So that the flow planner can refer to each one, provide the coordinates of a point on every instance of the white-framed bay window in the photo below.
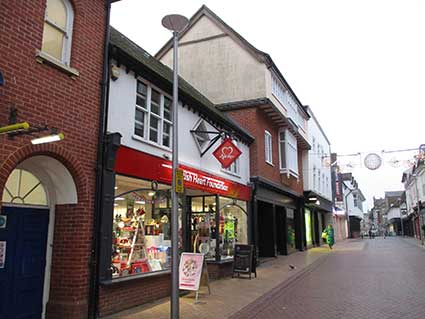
(268, 147)
(153, 116)
(288, 153)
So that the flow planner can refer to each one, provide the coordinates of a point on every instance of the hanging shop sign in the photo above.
(190, 271)
(227, 153)
(131, 162)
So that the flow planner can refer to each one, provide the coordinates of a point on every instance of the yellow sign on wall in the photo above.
(179, 181)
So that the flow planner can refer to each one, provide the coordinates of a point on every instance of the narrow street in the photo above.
(383, 279)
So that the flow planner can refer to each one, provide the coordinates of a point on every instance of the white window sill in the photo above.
(270, 163)
(289, 172)
(140, 139)
(230, 173)
(43, 57)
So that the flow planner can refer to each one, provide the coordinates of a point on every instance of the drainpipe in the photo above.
(93, 302)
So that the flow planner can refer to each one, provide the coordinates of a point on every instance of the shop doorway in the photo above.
(266, 230)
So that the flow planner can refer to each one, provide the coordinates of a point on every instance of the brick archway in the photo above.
(55, 151)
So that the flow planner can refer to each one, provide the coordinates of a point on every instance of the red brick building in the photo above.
(52, 62)
(245, 82)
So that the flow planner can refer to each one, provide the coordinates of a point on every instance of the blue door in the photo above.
(22, 277)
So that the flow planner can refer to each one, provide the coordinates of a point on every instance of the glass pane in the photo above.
(209, 203)
(28, 182)
(153, 136)
(12, 183)
(167, 128)
(155, 108)
(140, 116)
(155, 102)
(52, 41)
(154, 122)
(142, 88)
(56, 12)
(167, 108)
(36, 197)
(139, 130)
(197, 204)
(141, 101)
(166, 140)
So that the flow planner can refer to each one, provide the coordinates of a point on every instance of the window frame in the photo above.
(268, 147)
(284, 146)
(148, 114)
(67, 33)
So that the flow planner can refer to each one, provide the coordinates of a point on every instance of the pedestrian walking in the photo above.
(330, 237)
(370, 234)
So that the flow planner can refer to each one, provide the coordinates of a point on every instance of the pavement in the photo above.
(230, 295)
(383, 280)
(370, 278)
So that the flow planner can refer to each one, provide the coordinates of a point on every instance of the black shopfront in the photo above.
(276, 224)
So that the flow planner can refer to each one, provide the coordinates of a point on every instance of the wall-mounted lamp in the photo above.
(14, 128)
(48, 139)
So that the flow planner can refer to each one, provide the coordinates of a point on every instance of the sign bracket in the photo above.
(214, 140)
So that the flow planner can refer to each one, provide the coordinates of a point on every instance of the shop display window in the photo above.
(290, 230)
(232, 226)
(141, 227)
(203, 226)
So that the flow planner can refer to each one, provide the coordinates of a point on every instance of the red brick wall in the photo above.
(129, 294)
(46, 95)
(255, 121)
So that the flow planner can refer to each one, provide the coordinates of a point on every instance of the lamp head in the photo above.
(175, 22)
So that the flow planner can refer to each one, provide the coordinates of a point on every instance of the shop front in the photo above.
(213, 218)
(277, 219)
(317, 215)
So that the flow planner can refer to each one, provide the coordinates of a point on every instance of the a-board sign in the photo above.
(190, 271)
(244, 260)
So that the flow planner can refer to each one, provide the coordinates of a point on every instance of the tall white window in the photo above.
(327, 185)
(153, 121)
(314, 178)
(288, 152)
(268, 147)
(57, 33)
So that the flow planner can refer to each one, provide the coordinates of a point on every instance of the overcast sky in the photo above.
(359, 64)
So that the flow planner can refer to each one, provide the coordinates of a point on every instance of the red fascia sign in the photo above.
(134, 163)
(227, 153)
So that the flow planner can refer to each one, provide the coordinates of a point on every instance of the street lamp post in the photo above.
(175, 23)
